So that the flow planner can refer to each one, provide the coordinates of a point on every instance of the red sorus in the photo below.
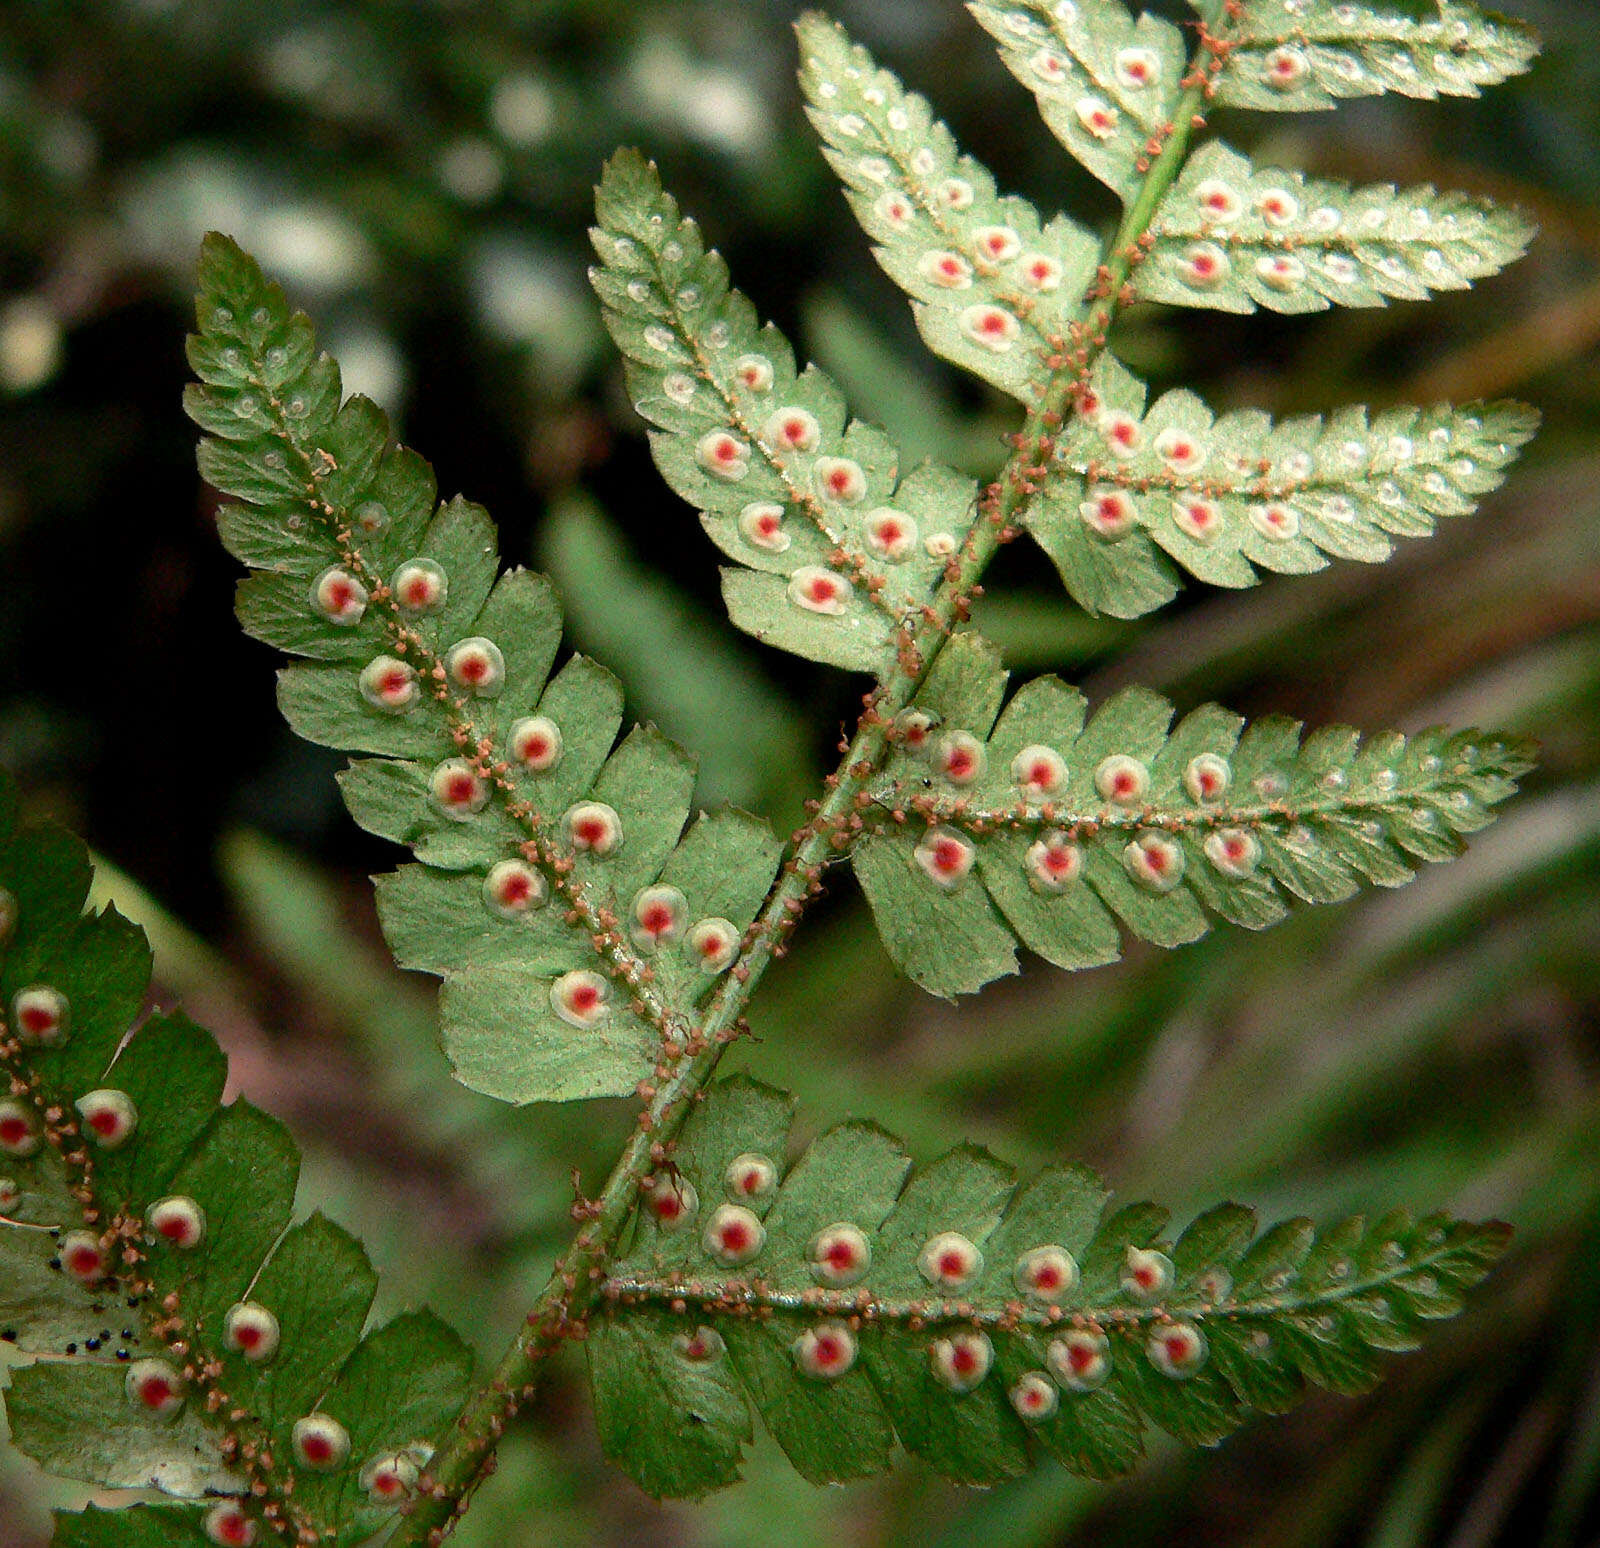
(996, 243)
(371, 516)
(10, 1194)
(593, 828)
(1038, 272)
(818, 590)
(1039, 771)
(714, 943)
(733, 1235)
(535, 742)
(891, 534)
(1109, 513)
(753, 372)
(1206, 777)
(961, 1361)
(895, 211)
(176, 1220)
(1280, 272)
(1154, 860)
(761, 524)
(1146, 1273)
(991, 326)
(154, 1387)
(1080, 1359)
(660, 915)
(948, 270)
(1285, 68)
(420, 586)
(1278, 207)
(680, 387)
(1181, 450)
(388, 684)
(477, 665)
(109, 1116)
(839, 1255)
(840, 478)
(249, 1329)
(579, 998)
(1276, 521)
(794, 429)
(1220, 202)
(671, 1199)
(700, 1347)
(8, 914)
(1054, 862)
(961, 757)
(320, 1442)
(825, 1352)
(1176, 1349)
(1137, 67)
(1045, 1273)
(1204, 266)
(1197, 517)
(390, 1478)
(954, 193)
(1034, 1396)
(513, 889)
(1097, 116)
(913, 728)
(457, 789)
(339, 597)
(18, 1136)
(1233, 851)
(1122, 779)
(1124, 434)
(723, 454)
(949, 1261)
(945, 856)
(40, 1016)
(1049, 66)
(750, 1175)
(82, 1257)
(226, 1523)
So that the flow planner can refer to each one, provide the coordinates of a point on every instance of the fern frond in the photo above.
(1107, 85)
(1234, 236)
(834, 547)
(1139, 491)
(1034, 825)
(574, 923)
(851, 1301)
(189, 1338)
(993, 288)
(1295, 56)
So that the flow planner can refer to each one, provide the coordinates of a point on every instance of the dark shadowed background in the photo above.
(419, 175)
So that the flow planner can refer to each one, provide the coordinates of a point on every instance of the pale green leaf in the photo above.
(1106, 84)
(1298, 55)
(1195, 1333)
(1141, 490)
(837, 549)
(1234, 236)
(1055, 830)
(991, 285)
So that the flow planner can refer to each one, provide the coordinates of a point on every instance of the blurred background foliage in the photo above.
(419, 174)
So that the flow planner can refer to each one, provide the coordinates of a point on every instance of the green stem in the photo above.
(576, 1280)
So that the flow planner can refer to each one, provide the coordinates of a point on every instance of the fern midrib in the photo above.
(467, 740)
(575, 1281)
(958, 812)
(737, 1296)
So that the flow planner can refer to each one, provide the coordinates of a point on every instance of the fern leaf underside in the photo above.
(182, 1328)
